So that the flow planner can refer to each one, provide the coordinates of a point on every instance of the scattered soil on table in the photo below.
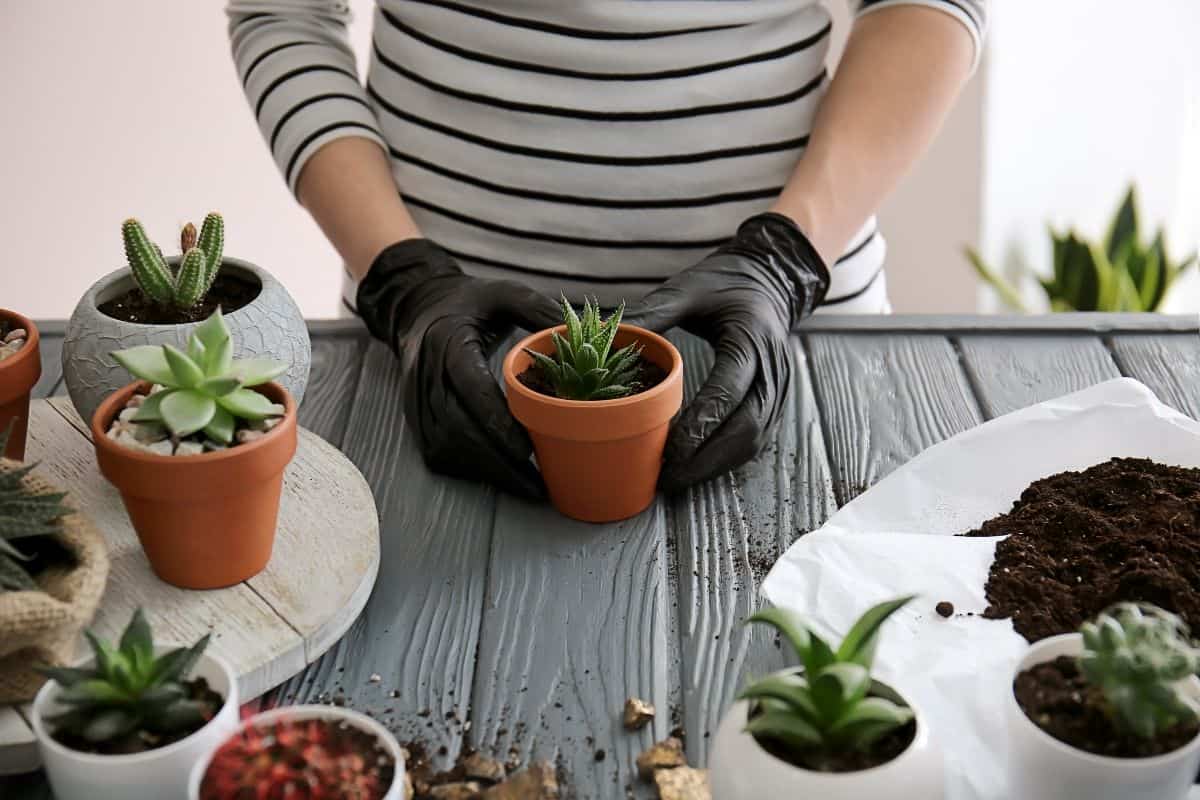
(140, 741)
(1056, 697)
(1124, 530)
(649, 375)
(884, 750)
(228, 292)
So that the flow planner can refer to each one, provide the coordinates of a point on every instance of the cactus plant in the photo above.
(584, 366)
(203, 388)
(1119, 274)
(1137, 655)
(24, 513)
(197, 269)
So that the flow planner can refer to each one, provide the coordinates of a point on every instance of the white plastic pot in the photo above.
(738, 769)
(160, 774)
(295, 713)
(1041, 767)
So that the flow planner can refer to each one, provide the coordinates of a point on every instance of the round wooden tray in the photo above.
(270, 627)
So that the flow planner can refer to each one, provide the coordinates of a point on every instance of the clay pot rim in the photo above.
(107, 412)
(30, 348)
(109, 283)
(673, 374)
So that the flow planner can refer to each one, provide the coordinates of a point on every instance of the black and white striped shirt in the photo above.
(593, 146)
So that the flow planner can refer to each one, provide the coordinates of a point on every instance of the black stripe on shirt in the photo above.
(858, 248)
(491, 262)
(602, 116)
(292, 74)
(270, 50)
(588, 158)
(291, 165)
(563, 30)
(846, 298)
(546, 69)
(308, 101)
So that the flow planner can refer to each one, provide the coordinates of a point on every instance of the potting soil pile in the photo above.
(903, 536)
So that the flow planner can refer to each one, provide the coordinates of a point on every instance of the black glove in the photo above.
(744, 299)
(444, 325)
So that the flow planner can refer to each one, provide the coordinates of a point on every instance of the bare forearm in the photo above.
(901, 71)
(348, 188)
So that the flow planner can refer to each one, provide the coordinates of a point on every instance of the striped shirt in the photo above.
(595, 146)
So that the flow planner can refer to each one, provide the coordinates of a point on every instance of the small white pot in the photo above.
(159, 774)
(360, 721)
(1041, 767)
(738, 769)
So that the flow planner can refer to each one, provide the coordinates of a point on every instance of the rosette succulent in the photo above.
(198, 268)
(24, 514)
(584, 366)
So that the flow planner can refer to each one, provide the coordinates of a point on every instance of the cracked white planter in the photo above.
(1041, 767)
(270, 326)
(738, 769)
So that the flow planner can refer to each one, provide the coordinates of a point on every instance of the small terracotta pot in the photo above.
(600, 459)
(18, 374)
(205, 521)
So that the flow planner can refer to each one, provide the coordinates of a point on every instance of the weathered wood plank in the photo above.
(18, 747)
(419, 632)
(955, 324)
(51, 352)
(1011, 372)
(336, 365)
(728, 533)
(1168, 363)
(883, 399)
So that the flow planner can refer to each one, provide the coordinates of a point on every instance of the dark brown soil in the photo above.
(944, 609)
(1057, 698)
(228, 292)
(140, 741)
(1124, 530)
(884, 750)
(649, 375)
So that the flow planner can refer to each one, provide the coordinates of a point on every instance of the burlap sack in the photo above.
(41, 627)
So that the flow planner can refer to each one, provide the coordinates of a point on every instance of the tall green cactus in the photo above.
(197, 270)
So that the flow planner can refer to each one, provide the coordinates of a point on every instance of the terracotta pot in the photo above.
(205, 521)
(600, 459)
(18, 374)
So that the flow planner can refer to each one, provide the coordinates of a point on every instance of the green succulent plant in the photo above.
(1122, 273)
(128, 688)
(824, 705)
(198, 267)
(584, 366)
(1137, 655)
(24, 513)
(204, 388)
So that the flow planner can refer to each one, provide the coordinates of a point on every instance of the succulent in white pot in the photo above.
(825, 728)
(130, 721)
(156, 300)
(1109, 713)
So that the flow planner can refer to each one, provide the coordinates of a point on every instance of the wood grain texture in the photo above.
(1011, 372)
(1168, 363)
(18, 747)
(51, 351)
(332, 382)
(727, 534)
(883, 399)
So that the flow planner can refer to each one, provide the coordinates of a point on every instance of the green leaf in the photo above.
(195, 350)
(220, 428)
(1124, 227)
(102, 652)
(811, 649)
(785, 687)
(178, 716)
(854, 679)
(219, 387)
(151, 408)
(137, 638)
(163, 694)
(1007, 292)
(186, 411)
(562, 348)
(785, 727)
(187, 372)
(609, 332)
(249, 404)
(587, 359)
(93, 692)
(255, 371)
(869, 719)
(146, 362)
(212, 331)
(836, 688)
(859, 644)
(109, 725)
(611, 392)
(574, 326)
(67, 676)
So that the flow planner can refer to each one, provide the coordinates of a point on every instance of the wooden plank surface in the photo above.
(332, 382)
(50, 383)
(1169, 364)
(18, 747)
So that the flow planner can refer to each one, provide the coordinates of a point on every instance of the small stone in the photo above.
(944, 608)
(126, 414)
(245, 436)
(483, 767)
(189, 449)
(637, 713)
(271, 422)
(148, 432)
(156, 388)
(536, 782)
(375, 677)
(14, 335)
(125, 438)
(683, 783)
(163, 448)
(600, 755)
(135, 401)
(7, 350)
(466, 790)
(211, 446)
(666, 754)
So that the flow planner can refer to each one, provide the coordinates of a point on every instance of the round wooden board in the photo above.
(270, 627)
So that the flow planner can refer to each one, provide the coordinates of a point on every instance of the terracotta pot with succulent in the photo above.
(20, 368)
(311, 752)
(131, 721)
(157, 300)
(825, 728)
(596, 397)
(1109, 713)
(197, 450)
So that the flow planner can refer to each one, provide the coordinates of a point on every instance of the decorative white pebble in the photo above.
(127, 414)
(210, 445)
(245, 436)
(163, 448)
(272, 422)
(156, 388)
(14, 335)
(135, 401)
(148, 432)
(189, 449)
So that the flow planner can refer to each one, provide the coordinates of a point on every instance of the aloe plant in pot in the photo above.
(596, 397)
(20, 369)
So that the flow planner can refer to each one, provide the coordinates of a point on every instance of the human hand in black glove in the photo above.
(444, 325)
(744, 299)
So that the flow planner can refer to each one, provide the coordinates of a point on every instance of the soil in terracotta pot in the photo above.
(1124, 530)
(1056, 698)
(884, 749)
(228, 292)
(649, 375)
(141, 741)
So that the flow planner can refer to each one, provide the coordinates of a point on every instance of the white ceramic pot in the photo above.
(360, 721)
(738, 769)
(1041, 767)
(160, 774)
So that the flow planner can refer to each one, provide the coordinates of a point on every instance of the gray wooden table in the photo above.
(500, 625)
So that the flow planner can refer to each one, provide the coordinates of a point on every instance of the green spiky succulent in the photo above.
(198, 267)
(128, 689)
(824, 705)
(1138, 655)
(24, 514)
(584, 366)
(204, 388)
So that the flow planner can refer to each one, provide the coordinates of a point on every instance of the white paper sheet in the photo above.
(898, 538)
